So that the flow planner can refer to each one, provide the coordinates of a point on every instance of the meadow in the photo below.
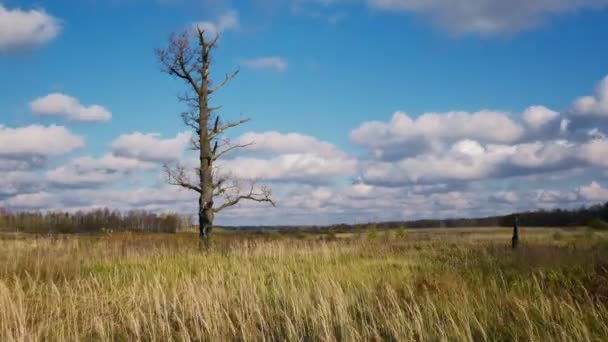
(398, 285)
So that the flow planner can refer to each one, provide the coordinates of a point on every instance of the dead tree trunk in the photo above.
(515, 238)
(190, 62)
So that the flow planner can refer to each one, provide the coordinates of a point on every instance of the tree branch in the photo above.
(262, 196)
(218, 155)
(226, 80)
(177, 59)
(179, 177)
(220, 129)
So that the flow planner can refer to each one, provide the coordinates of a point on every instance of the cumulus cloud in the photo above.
(88, 171)
(228, 21)
(37, 140)
(18, 182)
(288, 157)
(594, 192)
(21, 162)
(160, 199)
(275, 63)
(24, 150)
(595, 152)
(506, 196)
(285, 143)
(594, 105)
(150, 147)
(69, 108)
(468, 160)
(435, 165)
(25, 29)
(301, 167)
(487, 17)
(464, 147)
(30, 201)
(538, 117)
(404, 135)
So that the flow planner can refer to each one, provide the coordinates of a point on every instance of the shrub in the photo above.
(372, 231)
(402, 233)
(598, 224)
(558, 236)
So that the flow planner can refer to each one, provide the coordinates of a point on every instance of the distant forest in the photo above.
(105, 220)
(94, 221)
(540, 218)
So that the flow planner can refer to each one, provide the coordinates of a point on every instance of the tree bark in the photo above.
(205, 222)
(515, 238)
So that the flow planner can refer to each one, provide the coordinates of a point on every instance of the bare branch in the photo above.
(191, 119)
(179, 177)
(222, 184)
(224, 82)
(261, 195)
(217, 121)
(178, 59)
(207, 44)
(192, 101)
(194, 144)
(220, 129)
(229, 149)
(212, 44)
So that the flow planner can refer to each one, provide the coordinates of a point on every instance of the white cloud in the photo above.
(21, 162)
(506, 196)
(275, 63)
(16, 182)
(150, 147)
(551, 198)
(595, 105)
(228, 21)
(287, 143)
(88, 171)
(594, 192)
(24, 29)
(404, 135)
(487, 17)
(595, 152)
(468, 160)
(68, 107)
(538, 116)
(37, 200)
(301, 167)
(436, 165)
(37, 140)
(455, 200)
(157, 199)
(288, 157)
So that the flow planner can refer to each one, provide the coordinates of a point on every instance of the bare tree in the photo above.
(188, 57)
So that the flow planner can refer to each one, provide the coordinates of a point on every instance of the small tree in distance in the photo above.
(190, 62)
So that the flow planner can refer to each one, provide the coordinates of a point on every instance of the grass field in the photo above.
(423, 285)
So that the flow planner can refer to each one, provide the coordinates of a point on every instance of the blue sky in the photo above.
(340, 94)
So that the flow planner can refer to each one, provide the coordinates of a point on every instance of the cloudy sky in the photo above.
(362, 110)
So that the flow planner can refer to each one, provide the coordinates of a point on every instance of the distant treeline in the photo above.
(539, 218)
(138, 220)
(100, 220)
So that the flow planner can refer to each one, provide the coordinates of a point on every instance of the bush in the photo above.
(402, 233)
(598, 224)
(372, 231)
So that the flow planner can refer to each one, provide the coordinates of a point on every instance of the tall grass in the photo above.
(424, 286)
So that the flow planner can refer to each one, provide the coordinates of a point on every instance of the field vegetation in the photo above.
(397, 285)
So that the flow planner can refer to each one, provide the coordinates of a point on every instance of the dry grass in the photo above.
(425, 285)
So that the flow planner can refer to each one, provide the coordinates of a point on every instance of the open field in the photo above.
(425, 285)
